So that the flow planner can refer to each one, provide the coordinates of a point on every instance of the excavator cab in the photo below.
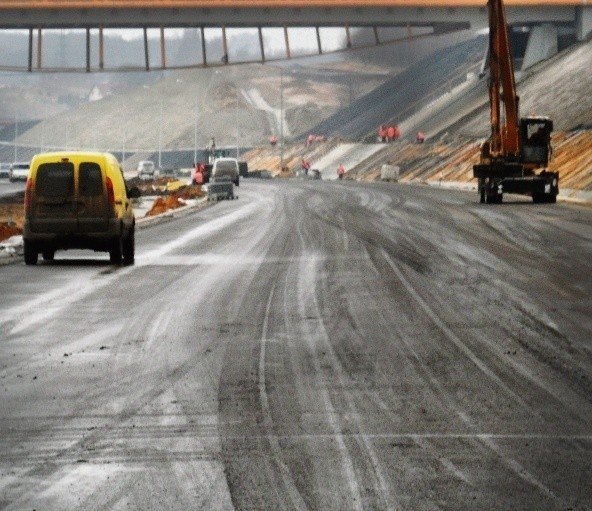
(535, 137)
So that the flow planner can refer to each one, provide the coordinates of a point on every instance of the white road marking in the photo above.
(511, 463)
(44, 306)
(449, 333)
(290, 487)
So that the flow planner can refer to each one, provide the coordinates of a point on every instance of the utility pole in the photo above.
(160, 138)
(15, 137)
(237, 131)
(195, 133)
(281, 119)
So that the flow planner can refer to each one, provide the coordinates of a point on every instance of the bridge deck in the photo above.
(216, 4)
(416, 16)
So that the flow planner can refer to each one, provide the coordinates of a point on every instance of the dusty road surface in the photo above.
(310, 346)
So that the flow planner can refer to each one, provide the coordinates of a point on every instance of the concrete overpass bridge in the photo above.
(294, 21)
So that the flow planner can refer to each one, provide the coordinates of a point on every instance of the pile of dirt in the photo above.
(190, 192)
(164, 204)
(175, 200)
(9, 229)
(11, 219)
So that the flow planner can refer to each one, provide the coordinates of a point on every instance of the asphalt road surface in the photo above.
(312, 345)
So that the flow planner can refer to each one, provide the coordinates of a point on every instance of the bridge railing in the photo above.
(164, 48)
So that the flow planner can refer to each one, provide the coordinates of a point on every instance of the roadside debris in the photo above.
(176, 199)
(9, 228)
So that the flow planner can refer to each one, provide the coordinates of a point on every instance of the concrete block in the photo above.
(542, 44)
(389, 173)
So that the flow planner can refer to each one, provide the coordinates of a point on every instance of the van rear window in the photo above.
(90, 179)
(226, 165)
(55, 179)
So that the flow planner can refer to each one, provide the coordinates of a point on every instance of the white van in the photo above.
(4, 169)
(19, 171)
(225, 169)
(146, 170)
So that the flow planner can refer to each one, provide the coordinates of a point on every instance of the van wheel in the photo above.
(31, 254)
(48, 255)
(128, 247)
(115, 251)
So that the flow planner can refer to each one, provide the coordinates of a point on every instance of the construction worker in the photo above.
(305, 166)
(420, 139)
(390, 133)
(340, 171)
(198, 174)
(382, 133)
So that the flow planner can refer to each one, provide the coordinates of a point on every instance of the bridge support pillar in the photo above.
(583, 22)
(542, 44)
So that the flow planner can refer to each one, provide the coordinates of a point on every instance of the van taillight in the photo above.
(110, 191)
(28, 192)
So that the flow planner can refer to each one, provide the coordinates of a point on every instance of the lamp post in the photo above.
(15, 137)
(281, 119)
(160, 138)
(237, 131)
(42, 143)
(195, 133)
(123, 137)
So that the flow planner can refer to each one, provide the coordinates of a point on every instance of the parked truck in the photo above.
(515, 157)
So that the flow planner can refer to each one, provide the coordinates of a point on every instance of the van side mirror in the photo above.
(134, 193)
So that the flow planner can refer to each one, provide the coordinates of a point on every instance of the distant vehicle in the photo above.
(221, 190)
(19, 171)
(147, 171)
(243, 169)
(4, 169)
(78, 200)
(225, 169)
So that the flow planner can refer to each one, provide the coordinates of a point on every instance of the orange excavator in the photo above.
(515, 157)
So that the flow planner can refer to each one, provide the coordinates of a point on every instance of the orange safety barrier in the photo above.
(213, 4)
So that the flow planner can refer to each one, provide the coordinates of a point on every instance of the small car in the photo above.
(225, 169)
(243, 168)
(4, 169)
(19, 171)
(78, 200)
(147, 171)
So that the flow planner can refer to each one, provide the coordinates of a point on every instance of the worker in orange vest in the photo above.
(390, 133)
(198, 174)
(305, 165)
(340, 171)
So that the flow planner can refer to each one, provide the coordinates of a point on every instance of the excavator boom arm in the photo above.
(504, 140)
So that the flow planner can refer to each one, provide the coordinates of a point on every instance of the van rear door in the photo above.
(93, 206)
(68, 202)
(53, 206)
